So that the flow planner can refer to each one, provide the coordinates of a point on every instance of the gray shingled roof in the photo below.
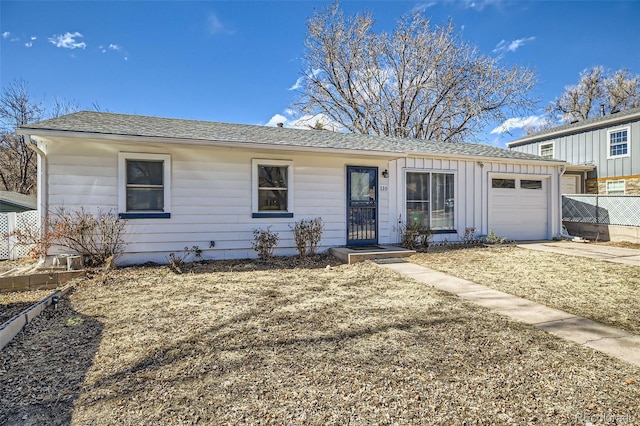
(18, 199)
(581, 126)
(109, 124)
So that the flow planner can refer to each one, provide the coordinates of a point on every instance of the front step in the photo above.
(359, 254)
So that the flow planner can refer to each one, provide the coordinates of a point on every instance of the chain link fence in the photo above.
(623, 210)
(10, 222)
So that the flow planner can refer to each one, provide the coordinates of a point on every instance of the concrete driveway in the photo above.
(594, 251)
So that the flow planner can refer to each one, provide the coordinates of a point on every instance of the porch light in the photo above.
(385, 173)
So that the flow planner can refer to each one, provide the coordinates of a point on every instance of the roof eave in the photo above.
(589, 126)
(24, 131)
(488, 158)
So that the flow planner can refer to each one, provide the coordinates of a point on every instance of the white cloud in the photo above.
(481, 4)
(305, 122)
(277, 118)
(115, 47)
(68, 41)
(519, 123)
(422, 7)
(34, 38)
(512, 46)
(216, 26)
(28, 44)
(297, 84)
(6, 34)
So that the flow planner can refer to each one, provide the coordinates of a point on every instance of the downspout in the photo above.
(563, 231)
(42, 184)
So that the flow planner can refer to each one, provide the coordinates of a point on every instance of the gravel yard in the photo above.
(602, 291)
(247, 343)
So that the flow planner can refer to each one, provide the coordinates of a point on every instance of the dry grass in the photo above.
(245, 343)
(603, 291)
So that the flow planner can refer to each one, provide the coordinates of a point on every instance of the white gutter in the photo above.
(42, 182)
(276, 147)
(208, 142)
(486, 158)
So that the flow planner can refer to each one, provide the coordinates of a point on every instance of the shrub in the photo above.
(177, 262)
(492, 238)
(414, 235)
(308, 233)
(264, 242)
(99, 237)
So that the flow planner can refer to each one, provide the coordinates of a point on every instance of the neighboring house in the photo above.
(16, 202)
(603, 153)
(183, 183)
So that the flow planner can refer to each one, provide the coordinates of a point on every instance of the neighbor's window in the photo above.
(272, 188)
(503, 183)
(530, 184)
(618, 142)
(144, 185)
(615, 187)
(546, 150)
(430, 200)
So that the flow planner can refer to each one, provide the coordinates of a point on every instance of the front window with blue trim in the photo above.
(144, 186)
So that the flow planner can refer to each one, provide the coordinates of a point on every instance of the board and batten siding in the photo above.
(471, 191)
(210, 196)
(590, 147)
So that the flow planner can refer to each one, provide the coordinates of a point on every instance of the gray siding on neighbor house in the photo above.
(590, 147)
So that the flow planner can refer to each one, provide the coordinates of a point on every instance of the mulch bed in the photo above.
(244, 342)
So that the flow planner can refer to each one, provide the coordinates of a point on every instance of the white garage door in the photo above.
(518, 207)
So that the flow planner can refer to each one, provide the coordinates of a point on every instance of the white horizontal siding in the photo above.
(210, 196)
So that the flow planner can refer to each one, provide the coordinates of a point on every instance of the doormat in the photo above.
(365, 248)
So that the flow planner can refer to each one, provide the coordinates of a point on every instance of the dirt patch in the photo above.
(602, 291)
(251, 343)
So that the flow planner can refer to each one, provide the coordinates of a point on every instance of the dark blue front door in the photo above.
(362, 206)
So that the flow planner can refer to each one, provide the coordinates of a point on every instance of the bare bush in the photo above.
(264, 242)
(99, 237)
(308, 234)
(414, 235)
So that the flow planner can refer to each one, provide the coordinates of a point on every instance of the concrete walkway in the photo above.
(626, 256)
(612, 341)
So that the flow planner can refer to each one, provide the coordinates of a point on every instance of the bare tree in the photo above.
(419, 82)
(17, 160)
(597, 92)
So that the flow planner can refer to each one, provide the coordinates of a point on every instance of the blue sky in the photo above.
(237, 61)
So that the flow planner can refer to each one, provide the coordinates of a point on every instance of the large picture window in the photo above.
(144, 182)
(272, 188)
(430, 200)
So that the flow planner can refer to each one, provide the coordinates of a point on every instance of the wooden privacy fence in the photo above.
(9, 223)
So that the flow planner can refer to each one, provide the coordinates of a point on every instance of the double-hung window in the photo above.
(618, 142)
(546, 150)
(430, 200)
(272, 189)
(144, 185)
